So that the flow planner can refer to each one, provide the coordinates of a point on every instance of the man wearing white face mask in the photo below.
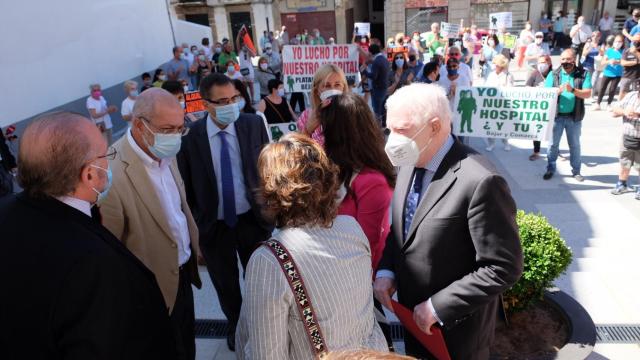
(275, 62)
(131, 89)
(93, 299)
(147, 207)
(453, 247)
(218, 162)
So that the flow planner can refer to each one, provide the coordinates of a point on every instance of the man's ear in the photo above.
(436, 125)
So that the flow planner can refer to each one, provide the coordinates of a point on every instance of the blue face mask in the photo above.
(227, 114)
(241, 104)
(452, 72)
(164, 145)
(103, 194)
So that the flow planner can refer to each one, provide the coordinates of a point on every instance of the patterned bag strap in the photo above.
(303, 302)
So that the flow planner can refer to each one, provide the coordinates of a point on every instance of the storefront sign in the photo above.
(301, 4)
(414, 4)
(300, 63)
(362, 29)
(510, 112)
(281, 129)
(508, 41)
(500, 20)
(449, 30)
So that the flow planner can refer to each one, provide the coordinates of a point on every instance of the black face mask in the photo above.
(438, 77)
(567, 66)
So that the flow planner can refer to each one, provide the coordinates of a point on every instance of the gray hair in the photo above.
(53, 151)
(146, 101)
(427, 101)
(130, 83)
(94, 85)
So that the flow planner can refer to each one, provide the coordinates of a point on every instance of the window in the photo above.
(520, 10)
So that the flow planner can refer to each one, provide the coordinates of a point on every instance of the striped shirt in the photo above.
(631, 126)
(335, 264)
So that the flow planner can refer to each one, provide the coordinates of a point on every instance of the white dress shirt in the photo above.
(167, 191)
(242, 203)
(78, 204)
(463, 69)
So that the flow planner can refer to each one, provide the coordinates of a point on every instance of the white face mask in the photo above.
(264, 66)
(617, 44)
(543, 67)
(538, 41)
(281, 92)
(329, 93)
(404, 151)
(492, 43)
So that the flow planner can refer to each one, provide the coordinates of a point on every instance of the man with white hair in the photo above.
(131, 89)
(453, 247)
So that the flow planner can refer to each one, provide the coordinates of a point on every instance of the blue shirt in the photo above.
(629, 24)
(239, 187)
(634, 30)
(543, 22)
(558, 25)
(612, 71)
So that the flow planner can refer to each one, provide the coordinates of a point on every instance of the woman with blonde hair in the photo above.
(329, 255)
(328, 81)
(499, 77)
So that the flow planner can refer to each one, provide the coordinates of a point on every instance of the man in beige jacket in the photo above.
(147, 210)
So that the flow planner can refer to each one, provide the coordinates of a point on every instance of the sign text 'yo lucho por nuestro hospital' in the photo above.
(300, 63)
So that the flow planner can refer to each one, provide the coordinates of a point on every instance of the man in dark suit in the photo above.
(218, 162)
(379, 76)
(7, 168)
(70, 289)
(453, 247)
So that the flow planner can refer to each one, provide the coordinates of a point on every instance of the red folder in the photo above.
(434, 342)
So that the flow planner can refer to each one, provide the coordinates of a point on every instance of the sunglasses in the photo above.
(539, 37)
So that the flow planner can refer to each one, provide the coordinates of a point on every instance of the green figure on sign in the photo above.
(276, 133)
(290, 82)
(466, 107)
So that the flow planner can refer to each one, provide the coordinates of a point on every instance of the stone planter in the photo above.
(582, 330)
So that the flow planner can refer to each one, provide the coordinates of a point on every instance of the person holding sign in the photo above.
(500, 78)
(574, 86)
(274, 106)
(453, 248)
(536, 79)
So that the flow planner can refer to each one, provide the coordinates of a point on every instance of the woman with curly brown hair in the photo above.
(299, 186)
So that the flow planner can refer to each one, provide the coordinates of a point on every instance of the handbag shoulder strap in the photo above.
(303, 302)
(273, 106)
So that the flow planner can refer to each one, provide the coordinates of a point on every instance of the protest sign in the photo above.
(281, 129)
(509, 112)
(508, 41)
(362, 29)
(500, 20)
(449, 30)
(300, 63)
(193, 103)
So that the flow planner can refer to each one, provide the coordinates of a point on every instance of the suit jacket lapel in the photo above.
(139, 178)
(241, 134)
(442, 181)
(204, 148)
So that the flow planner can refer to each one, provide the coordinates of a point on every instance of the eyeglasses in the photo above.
(539, 37)
(110, 155)
(224, 101)
(182, 130)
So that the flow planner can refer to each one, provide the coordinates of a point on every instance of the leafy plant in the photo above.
(546, 257)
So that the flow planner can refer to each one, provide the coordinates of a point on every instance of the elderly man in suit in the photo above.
(218, 162)
(90, 297)
(147, 208)
(453, 247)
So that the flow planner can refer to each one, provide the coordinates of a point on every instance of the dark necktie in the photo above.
(95, 214)
(413, 199)
(226, 176)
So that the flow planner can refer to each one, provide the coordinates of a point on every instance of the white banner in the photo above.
(500, 20)
(509, 112)
(281, 129)
(449, 30)
(362, 29)
(300, 63)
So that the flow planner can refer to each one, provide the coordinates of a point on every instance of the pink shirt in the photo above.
(370, 208)
(317, 135)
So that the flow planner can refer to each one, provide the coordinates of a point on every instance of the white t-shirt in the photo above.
(244, 60)
(99, 106)
(463, 70)
(207, 51)
(235, 76)
(606, 25)
(127, 106)
(462, 80)
(504, 79)
(581, 35)
(188, 55)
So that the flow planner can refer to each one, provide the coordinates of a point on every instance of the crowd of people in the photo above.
(328, 222)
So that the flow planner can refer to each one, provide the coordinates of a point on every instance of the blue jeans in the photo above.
(377, 101)
(573, 128)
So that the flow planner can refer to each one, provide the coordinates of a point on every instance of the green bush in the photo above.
(546, 257)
